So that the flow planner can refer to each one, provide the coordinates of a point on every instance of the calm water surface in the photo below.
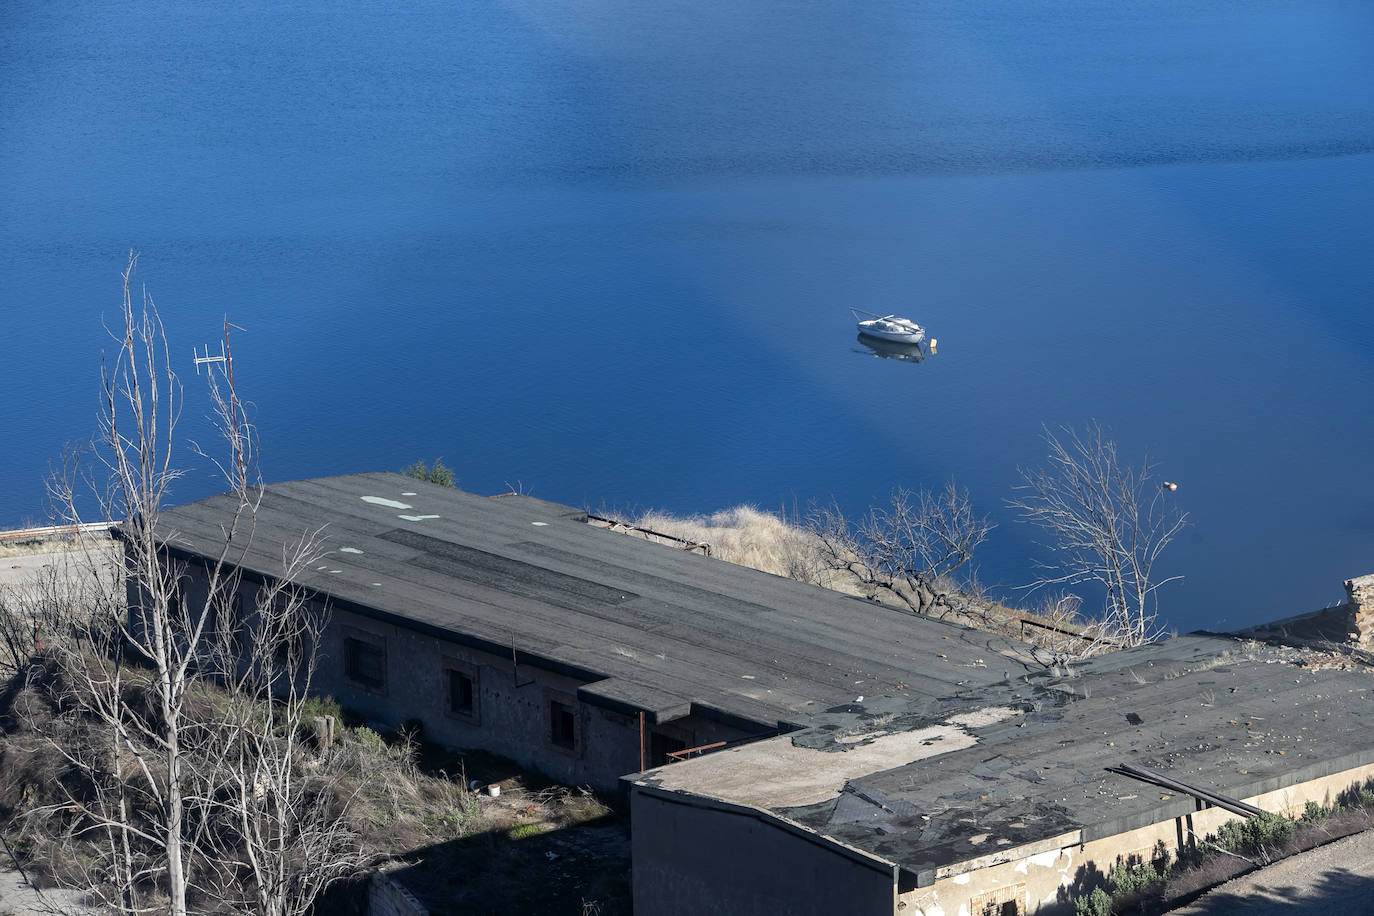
(604, 251)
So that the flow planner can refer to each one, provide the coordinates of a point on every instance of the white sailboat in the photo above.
(889, 327)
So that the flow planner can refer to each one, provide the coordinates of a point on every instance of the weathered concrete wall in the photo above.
(511, 714)
(512, 705)
(1359, 593)
(512, 708)
(1041, 882)
(388, 897)
(727, 861)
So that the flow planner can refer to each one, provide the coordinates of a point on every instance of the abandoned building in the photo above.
(512, 625)
(1007, 800)
(840, 756)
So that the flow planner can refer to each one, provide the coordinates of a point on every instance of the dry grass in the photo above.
(56, 544)
(748, 536)
(411, 805)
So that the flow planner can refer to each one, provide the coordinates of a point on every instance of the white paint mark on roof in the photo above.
(383, 501)
(336, 570)
(416, 518)
(376, 585)
(410, 493)
(349, 550)
(540, 524)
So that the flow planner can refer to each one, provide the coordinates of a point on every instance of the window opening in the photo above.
(562, 725)
(462, 697)
(660, 746)
(364, 662)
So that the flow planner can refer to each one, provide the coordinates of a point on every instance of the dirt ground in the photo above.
(541, 848)
(18, 898)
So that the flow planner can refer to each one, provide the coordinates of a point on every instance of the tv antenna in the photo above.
(207, 358)
(238, 433)
(224, 357)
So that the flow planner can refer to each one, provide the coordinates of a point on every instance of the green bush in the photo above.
(1098, 903)
(440, 473)
(1313, 812)
(1253, 834)
(1357, 796)
(318, 707)
(1127, 878)
(371, 741)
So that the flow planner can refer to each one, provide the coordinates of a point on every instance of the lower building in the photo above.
(1008, 802)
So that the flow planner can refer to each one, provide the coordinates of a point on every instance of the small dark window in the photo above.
(365, 662)
(461, 696)
(562, 725)
(660, 746)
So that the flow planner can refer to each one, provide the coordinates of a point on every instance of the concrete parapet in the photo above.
(388, 897)
(1360, 603)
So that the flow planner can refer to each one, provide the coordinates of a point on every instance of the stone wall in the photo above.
(1360, 602)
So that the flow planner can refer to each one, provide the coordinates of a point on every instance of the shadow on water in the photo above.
(889, 349)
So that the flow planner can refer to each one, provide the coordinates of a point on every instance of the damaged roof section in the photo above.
(1024, 764)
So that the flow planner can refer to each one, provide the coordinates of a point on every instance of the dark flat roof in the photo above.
(647, 626)
(1228, 714)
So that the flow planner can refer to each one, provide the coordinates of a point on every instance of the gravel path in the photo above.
(1332, 880)
(18, 899)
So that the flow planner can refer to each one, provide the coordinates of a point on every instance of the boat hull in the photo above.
(896, 335)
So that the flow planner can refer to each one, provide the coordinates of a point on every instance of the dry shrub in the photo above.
(397, 806)
(564, 806)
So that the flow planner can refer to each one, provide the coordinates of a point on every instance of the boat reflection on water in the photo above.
(889, 349)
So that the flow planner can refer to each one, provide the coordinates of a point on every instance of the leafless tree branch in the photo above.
(177, 704)
(908, 549)
(1108, 525)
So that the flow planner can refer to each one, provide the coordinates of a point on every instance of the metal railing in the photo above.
(52, 531)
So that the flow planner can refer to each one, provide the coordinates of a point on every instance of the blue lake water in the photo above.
(604, 251)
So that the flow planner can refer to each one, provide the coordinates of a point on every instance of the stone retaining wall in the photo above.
(1360, 601)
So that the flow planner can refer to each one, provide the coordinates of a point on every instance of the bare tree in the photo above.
(908, 550)
(180, 712)
(1108, 524)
